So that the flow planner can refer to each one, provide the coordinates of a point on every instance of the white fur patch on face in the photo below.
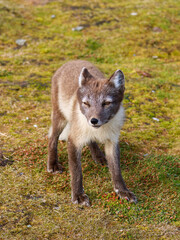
(109, 99)
(81, 77)
(84, 99)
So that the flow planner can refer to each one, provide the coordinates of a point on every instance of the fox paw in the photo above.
(82, 199)
(56, 168)
(126, 194)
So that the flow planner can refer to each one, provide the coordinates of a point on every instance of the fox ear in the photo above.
(84, 76)
(118, 79)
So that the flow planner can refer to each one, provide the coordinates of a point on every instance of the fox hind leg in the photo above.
(97, 155)
(58, 124)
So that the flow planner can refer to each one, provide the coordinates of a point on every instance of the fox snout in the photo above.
(95, 122)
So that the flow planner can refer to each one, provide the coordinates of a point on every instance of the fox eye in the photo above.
(106, 103)
(86, 104)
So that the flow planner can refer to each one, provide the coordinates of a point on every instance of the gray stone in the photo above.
(21, 42)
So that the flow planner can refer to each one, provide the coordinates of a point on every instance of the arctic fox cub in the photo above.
(87, 108)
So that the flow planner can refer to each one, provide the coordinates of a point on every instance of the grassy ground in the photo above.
(139, 37)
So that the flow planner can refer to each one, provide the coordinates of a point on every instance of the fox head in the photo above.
(100, 99)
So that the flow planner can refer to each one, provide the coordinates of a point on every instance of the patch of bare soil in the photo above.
(38, 2)
(4, 161)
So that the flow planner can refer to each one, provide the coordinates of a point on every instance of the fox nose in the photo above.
(94, 121)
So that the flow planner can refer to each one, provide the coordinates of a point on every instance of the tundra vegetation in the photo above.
(142, 39)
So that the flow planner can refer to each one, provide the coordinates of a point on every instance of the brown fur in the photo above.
(70, 85)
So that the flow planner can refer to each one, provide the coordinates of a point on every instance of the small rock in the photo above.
(78, 28)
(143, 73)
(56, 208)
(21, 42)
(53, 16)
(29, 226)
(134, 14)
(155, 57)
(155, 119)
(157, 29)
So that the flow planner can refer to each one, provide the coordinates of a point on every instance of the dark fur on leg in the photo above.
(74, 155)
(113, 157)
(97, 155)
(57, 126)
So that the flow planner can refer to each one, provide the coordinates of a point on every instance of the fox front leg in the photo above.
(113, 158)
(74, 155)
